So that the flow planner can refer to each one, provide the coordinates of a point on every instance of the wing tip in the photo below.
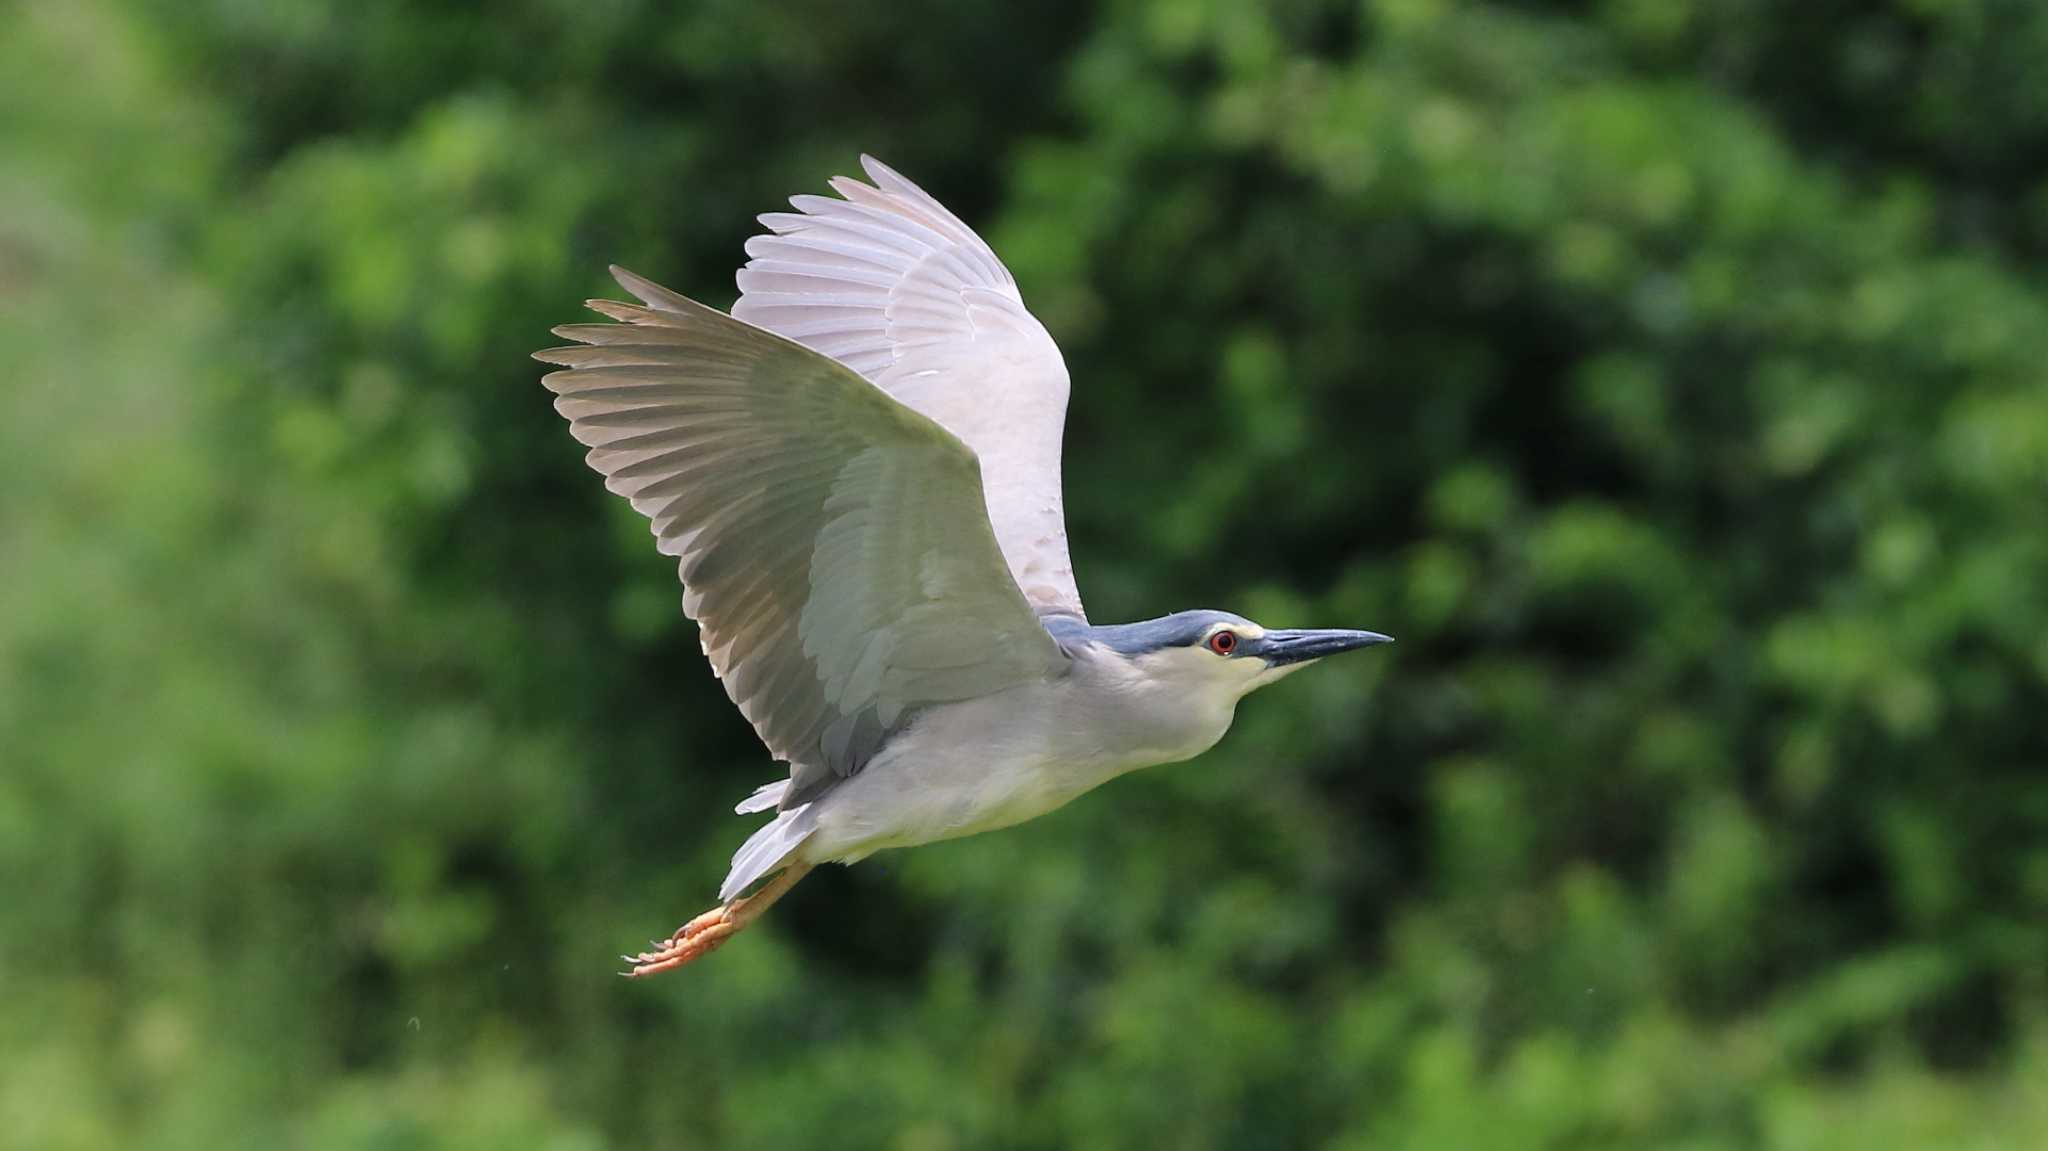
(610, 309)
(639, 285)
(876, 170)
(658, 299)
(849, 188)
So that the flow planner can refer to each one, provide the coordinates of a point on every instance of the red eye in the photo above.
(1223, 642)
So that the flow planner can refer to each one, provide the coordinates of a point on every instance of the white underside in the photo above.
(988, 763)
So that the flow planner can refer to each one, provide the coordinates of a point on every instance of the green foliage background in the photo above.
(1671, 376)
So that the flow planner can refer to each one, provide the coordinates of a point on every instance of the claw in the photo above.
(656, 968)
(709, 931)
(661, 958)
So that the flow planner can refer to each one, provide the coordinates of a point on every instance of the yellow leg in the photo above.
(703, 935)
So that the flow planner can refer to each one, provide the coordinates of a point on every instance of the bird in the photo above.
(857, 471)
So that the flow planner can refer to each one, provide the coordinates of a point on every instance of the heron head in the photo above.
(1211, 650)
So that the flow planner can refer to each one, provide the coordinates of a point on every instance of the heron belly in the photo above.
(960, 771)
(986, 763)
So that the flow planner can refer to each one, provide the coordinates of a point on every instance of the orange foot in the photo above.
(693, 940)
(704, 934)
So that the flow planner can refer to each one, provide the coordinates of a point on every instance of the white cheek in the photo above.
(1195, 670)
(1241, 676)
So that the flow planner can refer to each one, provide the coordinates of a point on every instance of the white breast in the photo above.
(989, 763)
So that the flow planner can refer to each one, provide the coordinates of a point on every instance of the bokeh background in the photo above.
(1671, 376)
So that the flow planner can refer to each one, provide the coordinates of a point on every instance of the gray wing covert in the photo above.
(834, 545)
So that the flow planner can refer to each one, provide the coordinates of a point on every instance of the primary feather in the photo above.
(832, 543)
(890, 283)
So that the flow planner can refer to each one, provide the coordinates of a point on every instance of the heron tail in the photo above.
(767, 850)
(765, 798)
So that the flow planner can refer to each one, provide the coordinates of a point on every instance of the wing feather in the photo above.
(891, 284)
(834, 545)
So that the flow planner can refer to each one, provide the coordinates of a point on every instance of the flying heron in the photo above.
(858, 471)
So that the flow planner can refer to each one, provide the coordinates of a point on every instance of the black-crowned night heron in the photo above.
(859, 471)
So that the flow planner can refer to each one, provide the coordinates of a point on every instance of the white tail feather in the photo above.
(767, 849)
(764, 798)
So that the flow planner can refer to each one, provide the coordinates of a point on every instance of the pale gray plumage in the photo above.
(893, 285)
(833, 545)
(858, 472)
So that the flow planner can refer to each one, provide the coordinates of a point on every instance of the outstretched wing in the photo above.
(834, 547)
(890, 283)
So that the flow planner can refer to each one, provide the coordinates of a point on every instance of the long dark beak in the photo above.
(1284, 647)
